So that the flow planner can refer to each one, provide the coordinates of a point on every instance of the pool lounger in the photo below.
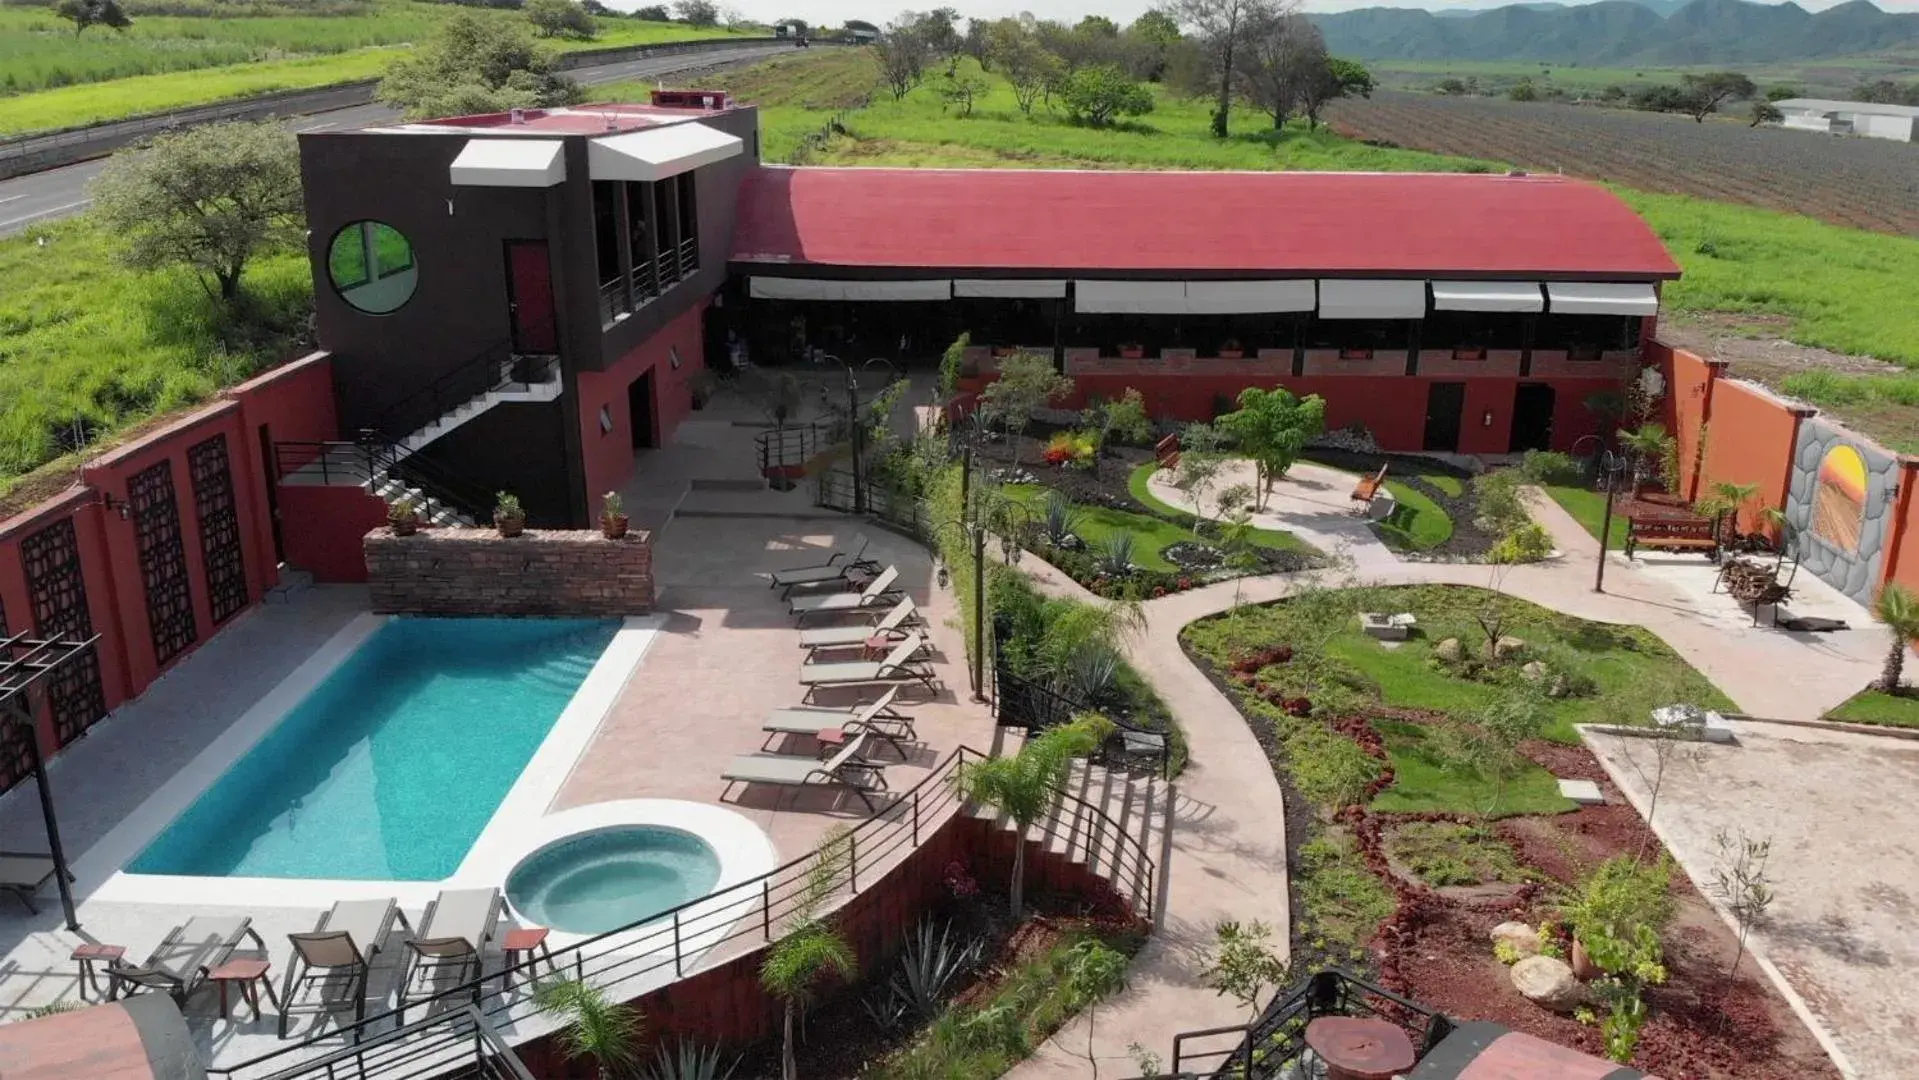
(876, 719)
(836, 568)
(898, 667)
(181, 962)
(875, 594)
(455, 928)
(23, 873)
(337, 955)
(846, 771)
(841, 637)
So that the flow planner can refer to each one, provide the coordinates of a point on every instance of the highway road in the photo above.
(44, 196)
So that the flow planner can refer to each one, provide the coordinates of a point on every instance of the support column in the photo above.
(623, 225)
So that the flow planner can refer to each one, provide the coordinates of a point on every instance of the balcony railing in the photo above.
(1268, 1045)
(676, 264)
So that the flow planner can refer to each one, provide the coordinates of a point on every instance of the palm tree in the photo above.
(1024, 786)
(1898, 608)
(1648, 443)
(1730, 498)
(793, 969)
(597, 1027)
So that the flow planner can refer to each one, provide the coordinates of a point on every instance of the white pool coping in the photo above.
(99, 870)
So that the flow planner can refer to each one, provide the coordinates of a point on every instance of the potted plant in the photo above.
(508, 516)
(702, 385)
(1469, 352)
(1231, 349)
(1132, 352)
(403, 516)
(613, 516)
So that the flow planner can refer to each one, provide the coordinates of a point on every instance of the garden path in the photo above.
(1226, 852)
(1312, 502)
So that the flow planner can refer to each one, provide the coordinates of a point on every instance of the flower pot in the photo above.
(1132, 354)
(404, 528)
(510, 525)
(1232, 354)
(613, 526)
(1583, 967)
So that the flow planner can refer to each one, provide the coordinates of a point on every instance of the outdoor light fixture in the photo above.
(673, 356)
(606, 420)
(117, 505)
(1486, 419)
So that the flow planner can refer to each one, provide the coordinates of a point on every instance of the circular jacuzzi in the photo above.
(591, 882)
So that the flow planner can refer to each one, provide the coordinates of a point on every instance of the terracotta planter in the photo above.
(613, 526)
(1583, 967)
(510, 526)
(407, 528)
(1132, 354)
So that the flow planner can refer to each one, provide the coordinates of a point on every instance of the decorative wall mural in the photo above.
(1839, 499)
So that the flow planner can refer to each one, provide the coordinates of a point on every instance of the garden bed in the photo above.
(1436, 507)
(1875, 706)
(1403, 858)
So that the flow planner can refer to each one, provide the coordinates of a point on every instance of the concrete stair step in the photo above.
(753, 484)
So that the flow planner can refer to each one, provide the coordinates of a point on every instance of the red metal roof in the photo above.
(1265, 223)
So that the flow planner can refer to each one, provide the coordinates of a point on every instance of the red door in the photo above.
(529, 294)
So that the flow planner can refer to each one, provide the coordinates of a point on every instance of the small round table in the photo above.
(831, 740)
(88, 956)
(1359, 1048)
(246, 972)
(878, 646)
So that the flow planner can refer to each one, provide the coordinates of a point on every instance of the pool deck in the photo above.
(725, 655)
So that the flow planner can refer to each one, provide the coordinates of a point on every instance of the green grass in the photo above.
(53, 79)
(1450, 485)
(796, 95)
(1445, 853)
(1424, 779)
(1151, 535)
(1879, 707)
(1136, 483)
(92, 344)
(1588, 507)
(1341, 902)
(1417, 523)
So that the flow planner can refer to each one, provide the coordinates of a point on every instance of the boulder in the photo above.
(1534, 671)
(1507, 647)
(1449, 650)
(1548, 983)
(1524, 939)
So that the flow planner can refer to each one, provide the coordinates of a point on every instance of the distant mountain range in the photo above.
(1620, 32)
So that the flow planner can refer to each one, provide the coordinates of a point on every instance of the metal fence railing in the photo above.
(458, 1042)
(1271, 1044)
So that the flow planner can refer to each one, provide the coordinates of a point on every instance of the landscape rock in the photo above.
(1449, 650)
(1534, 671)
(1508, 647)
(1524, 939)
(1549, 983)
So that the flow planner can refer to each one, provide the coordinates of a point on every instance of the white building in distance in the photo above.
(1897, 122)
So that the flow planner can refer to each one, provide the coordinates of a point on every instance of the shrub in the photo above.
(1507, 953)
(1553, 468)
(1096, 95)
(1528, 543)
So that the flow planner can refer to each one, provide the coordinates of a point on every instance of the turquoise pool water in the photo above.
(606, 879)
(391, 767)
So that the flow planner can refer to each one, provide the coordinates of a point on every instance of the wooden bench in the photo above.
(1672, 534)
(1368, 489)
(1166, 452)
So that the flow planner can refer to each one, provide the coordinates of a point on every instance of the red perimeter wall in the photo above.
(85, 563)
(609, 454)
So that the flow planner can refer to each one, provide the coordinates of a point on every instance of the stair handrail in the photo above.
(445, 392)
(436, 479)
(1330, 992)
(371, 458)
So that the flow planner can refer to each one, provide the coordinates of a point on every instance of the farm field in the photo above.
(1861, 183)
(796, 95)
(1829, 77)
(49, 78)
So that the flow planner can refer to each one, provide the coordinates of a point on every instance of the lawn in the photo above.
(54, 79)
(1424, 779)
(1417, 523)
(1588, 507)
(1879, 707)
(1136, 482)
(1151, 535)
(796, 95)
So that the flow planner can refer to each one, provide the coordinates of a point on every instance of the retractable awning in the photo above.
(509, 163)
(1248, 297)
(1344, 299)
(1130, 297)
(1487, 296)
(659, 153)
(779, 288)
(1602, 298)
(1009, 289)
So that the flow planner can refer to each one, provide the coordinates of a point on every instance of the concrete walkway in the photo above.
(1227, 842)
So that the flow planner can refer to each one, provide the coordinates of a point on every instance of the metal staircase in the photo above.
(494, 377)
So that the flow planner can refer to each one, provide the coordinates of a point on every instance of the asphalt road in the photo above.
(56, 193)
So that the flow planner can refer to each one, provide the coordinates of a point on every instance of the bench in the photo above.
(1672, 534)
(1368, 489)
(1166, 452)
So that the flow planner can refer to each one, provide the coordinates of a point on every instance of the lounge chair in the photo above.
(454, 930)
(845, 771)
(876, 719)
(24, 873)
(898, 667)
(880, 591)
(835, 569)
(902, 614)
(334, 960)
(182, 961)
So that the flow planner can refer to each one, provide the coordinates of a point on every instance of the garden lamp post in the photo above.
(1610, 466)
(975, 533)
(853, 428)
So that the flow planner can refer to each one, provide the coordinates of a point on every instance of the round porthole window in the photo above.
(371, 266)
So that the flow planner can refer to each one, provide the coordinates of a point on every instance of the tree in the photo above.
(1016, 51)
(1340, 78)
(1272, 427)
(1093, 970)
(1704, 93)
(1282, 51)
(902, 52)
(1661, 98)
(697, 12)
(653, 13)
(811, 949)
(1489, 744)
(1156, 33)
(1523, 90)
(1095, 95)
(596, 1026)
(1783, 92)
(1025, 786)
(1648, 444)
(475, 65)
(1243, 963)
(1740, 882)
(1887, 92)
(1765, 112)
(1098, 25)
(207, 198)
(960, 89)
(85, 13)
(1898, 608)
(1221, 26)
(561, 18)
(1027, 381)
(1199, 467)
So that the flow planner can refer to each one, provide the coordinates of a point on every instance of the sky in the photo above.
(833, 12)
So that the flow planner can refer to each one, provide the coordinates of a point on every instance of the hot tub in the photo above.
(601, 880)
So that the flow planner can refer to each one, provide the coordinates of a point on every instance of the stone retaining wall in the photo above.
(479, 572)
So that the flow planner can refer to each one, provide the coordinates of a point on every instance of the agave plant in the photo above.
(688, 1061)
(929, 966)
(1114, 556)
(1092, 671)
(1062, 518)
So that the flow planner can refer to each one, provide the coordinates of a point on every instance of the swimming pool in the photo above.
(391, 767)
